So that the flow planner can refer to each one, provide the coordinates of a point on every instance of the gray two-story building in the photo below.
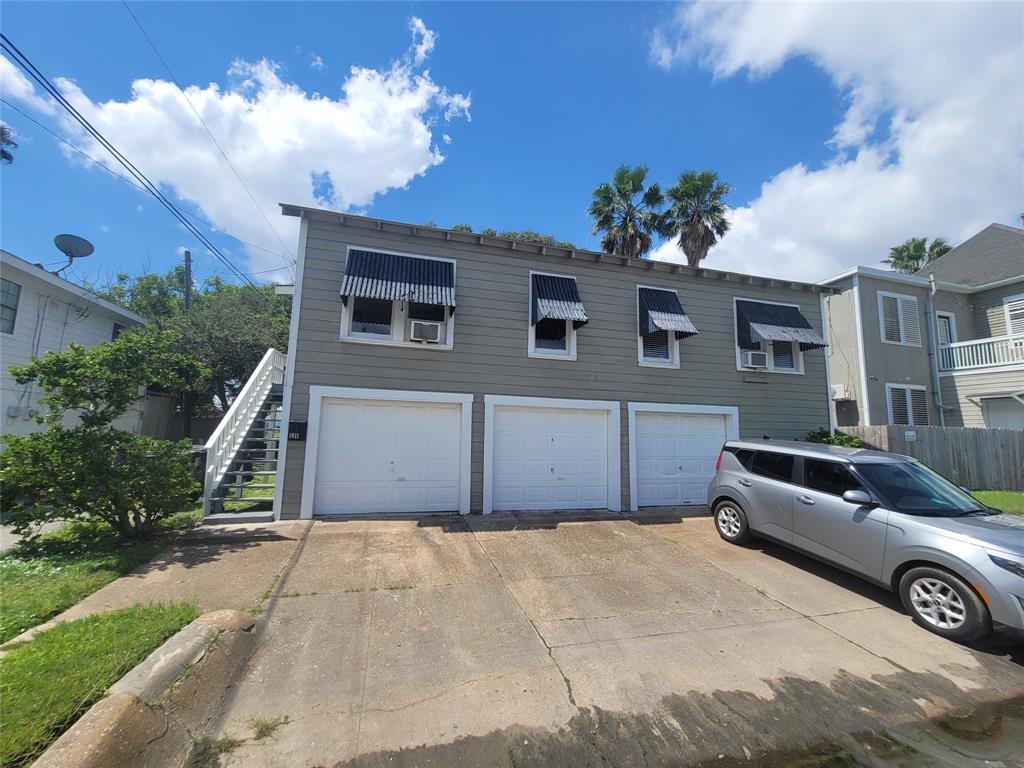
(942, 347)
(431, 370)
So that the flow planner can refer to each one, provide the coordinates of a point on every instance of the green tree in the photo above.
(526, 235)
(92, 470)
(696, 213)
(626, 212)
(157, 297)
(912, 254)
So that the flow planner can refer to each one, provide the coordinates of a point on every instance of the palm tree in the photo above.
(697, 213)
(6, 140)
(909, 256)
(626, 212)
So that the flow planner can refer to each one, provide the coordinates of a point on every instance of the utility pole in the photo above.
(187, 400)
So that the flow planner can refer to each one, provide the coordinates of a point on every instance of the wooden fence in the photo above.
(979, 459)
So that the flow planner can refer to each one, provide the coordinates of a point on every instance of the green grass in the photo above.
(42, 577)
(48, 682)
(1008, 501)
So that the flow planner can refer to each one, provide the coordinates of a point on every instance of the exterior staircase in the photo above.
(242, 453)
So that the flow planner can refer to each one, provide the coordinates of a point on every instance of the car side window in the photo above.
(777, 466)
(744, 456)
(829, 477)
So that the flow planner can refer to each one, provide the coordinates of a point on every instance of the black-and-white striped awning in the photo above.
(660, 310)
(375, 275)
(557, 298)
(757, 321)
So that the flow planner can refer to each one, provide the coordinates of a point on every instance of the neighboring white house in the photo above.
(40, 312)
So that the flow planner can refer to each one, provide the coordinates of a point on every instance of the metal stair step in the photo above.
(246, 499)
(247, 485)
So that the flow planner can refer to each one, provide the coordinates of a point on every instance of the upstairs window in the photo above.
(10, 295)
(118, 330)
(390, 298)
(556, 313)
(946, 322)
(662, 322)
(773, 337)
(908, 404)
(1014, 315)
(898, 319)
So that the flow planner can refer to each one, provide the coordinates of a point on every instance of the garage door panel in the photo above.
(676, 455)
(549, 458)
(388, 457)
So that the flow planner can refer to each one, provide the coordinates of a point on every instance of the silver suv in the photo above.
(957, 565)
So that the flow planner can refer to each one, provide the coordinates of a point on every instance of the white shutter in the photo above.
(910, 323)
(656, 346)
(889, 310)
(899, 408)
(919, 406)
(1015, 316)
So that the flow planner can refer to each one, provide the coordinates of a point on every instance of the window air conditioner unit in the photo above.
(755, 359)
(840, 391)
(429, 333)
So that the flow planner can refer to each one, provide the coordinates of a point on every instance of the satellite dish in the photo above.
(72, 246)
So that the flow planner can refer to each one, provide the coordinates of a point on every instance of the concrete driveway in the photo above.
(579, 640)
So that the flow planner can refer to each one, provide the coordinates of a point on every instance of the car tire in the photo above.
(731, 522)
(943, 603)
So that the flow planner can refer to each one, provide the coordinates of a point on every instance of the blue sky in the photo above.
(833, 153)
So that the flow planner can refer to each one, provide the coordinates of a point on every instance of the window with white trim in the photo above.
(556, 312)
(10, 295)
(780, 356)
(1014, 314)
(946, 322)
(387, 321)
(898, 319)
(659, 346)
(908, 404)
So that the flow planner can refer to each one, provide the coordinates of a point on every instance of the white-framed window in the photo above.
(898, 319)
(398, 322)
(387, 321)
(946, 322)
(10, 295)
(1014, 306)
(781, 356)
(660, 348)
(908, 404)
(551, 337)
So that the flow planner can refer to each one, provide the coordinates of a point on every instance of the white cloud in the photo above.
(104, 228)
(930, 143)
(316, 62)
(423, 40)
(377, 135)
(14, 86)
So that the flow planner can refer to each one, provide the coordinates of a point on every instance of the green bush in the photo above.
(128, 481)
(822, 436)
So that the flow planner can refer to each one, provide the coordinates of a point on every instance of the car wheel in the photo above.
(945, 604)
(731, 522)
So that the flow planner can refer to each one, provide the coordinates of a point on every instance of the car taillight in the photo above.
(718, 464)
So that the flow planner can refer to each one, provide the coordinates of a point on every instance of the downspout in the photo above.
(823, 302)
(933, 362)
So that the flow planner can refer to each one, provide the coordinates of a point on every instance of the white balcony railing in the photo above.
(982, 353)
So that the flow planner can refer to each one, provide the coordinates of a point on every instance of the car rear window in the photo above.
(829, 477)
(778, 466)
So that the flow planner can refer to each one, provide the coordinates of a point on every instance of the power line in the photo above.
(135, 186)
(25, 63)
(291, 260)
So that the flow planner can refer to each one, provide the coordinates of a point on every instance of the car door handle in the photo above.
(805, 500)
(746, 483)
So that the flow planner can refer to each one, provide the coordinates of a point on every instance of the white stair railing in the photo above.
(227, 439)
(982, 353)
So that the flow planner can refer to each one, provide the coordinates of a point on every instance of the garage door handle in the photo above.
(805, 500)
(746, 483)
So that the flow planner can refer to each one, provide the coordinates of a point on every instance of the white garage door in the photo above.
(549, 458)
(384, 457)
(675, 457)
(1004, 412)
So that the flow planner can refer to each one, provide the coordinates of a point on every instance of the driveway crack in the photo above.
(533, 624)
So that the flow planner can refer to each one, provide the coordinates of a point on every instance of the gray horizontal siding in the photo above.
(990, 312)
(957, 392)
(491, 339)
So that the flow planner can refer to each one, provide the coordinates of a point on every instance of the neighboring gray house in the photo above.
(942, 347)
(430, 370)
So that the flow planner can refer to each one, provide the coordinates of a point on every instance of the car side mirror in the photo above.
(860, 498)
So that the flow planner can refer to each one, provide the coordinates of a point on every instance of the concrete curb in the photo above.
(150, 716)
